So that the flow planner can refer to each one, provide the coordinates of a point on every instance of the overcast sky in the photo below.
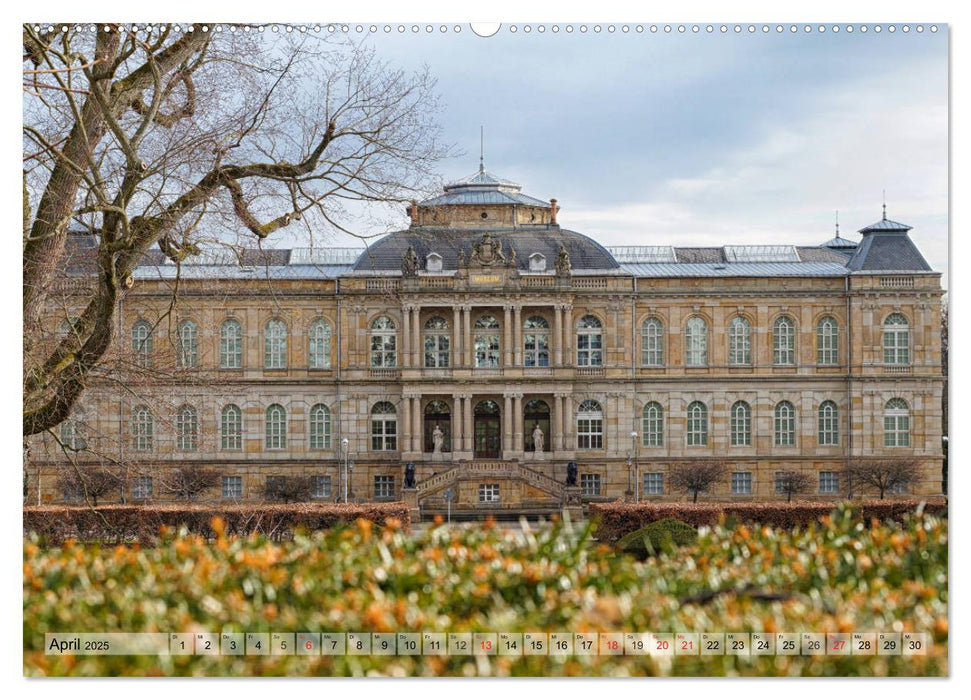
(697, 139)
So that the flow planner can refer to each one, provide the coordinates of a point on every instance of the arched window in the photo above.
(652, 343)
(275, 345)
(590, 426)
(437, 342)
(187, 428)
(785, 424)
(697, 424)
(384, 427)
(276, 427)
(486, 341)
(188, 345)
(652, 425)
(896, 424)
(741, 424)
(318, 352)
(142, 343)
(143, 429)
(696, 342)
(784, 341)
(384, 351)
(231, 345)
(231, 427)
(896, 340)
(536, 342)
(590, 342)
(72, 435)
(740, 341)
(827, 341)
(320, 427)
(829, 424)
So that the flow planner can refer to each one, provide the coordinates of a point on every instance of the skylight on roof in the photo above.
(643, 253)
(325, 256)
(760, 253)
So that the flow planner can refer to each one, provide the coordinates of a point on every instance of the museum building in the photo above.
(488, 356)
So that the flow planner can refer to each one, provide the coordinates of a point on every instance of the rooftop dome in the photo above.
(483, 187)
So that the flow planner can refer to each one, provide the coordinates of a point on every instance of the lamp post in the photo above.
(347, 453)
(637, 489)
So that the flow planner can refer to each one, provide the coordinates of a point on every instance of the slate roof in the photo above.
(890, 251)
(483, 188)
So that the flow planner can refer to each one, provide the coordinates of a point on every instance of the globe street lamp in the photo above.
(347, 453)
(637, 490)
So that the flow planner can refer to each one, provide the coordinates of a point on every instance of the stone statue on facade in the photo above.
(571, 474)
(409, 263)
(512, 257)
(461, 259)
(438, 440)
(563, 265)
(538, 439)
(488, 252)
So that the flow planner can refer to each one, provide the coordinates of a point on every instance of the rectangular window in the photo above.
(590, 434)
(232, 487)
(384, 434)
(829, 482)
(142, 487)
(896, 347)
(321, 487)
(590, 484)
(898, 489)
(590, 349)
(488, 493)
(653, 484)
(742, 482)
(384, 486)
(780, 482)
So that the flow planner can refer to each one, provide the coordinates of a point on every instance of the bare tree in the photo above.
(696, 477)
(88, 485)
(882, 474)
(288, 489)
(177, 136)
(793, 483)
(187, 484)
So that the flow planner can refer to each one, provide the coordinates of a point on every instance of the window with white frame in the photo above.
(141, 488)
(785, 424)
(697, 424)
(486, 341)
(652, 343)
(829, 482)
(276, 427)
(275, 345)
(142, 343)
(320, 427)
(384, 342)
(384, 427)
(590, 484)
(488, 493)
(590, 342)
(321, 487)
(896, 340)
(653, 483)
(829, 425)
(187, 428)
(784, 341)
(437, 343)
(232, 487)
(896, 424)
(231, 427)
(652, 425)
(384, 486)
(740, 341)
(536, 342)
(827, 341)
(143, 429)
(782, 481)
(72, 435)
(899, 488)
(318, 350)
(742, 483)
(231, 345)
(590, 426)
(741, 424)
(188, 345)
(696, 342)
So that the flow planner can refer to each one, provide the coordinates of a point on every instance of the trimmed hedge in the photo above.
(663, 534)
(122, 523)
(618, 519)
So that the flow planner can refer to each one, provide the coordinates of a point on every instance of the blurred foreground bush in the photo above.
(657, 537)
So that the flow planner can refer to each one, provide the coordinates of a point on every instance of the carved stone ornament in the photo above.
(488, 252)
(563, 265)
(409, 263)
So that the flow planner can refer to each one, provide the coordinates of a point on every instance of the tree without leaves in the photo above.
(696, 477)
(289, 489)
(187, 484)
(169, 138)
(882, 474)
(793, 483)
(88, 485)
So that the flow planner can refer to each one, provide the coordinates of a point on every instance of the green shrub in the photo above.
(662, 535)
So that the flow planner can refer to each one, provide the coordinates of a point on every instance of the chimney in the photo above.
(413, 212)
(553, 209)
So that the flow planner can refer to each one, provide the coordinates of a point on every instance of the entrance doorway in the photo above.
(487, 433)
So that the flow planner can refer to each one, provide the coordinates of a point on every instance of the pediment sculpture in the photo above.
(488, 252)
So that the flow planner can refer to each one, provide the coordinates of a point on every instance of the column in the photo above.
(457, 350)
(467, 430)
(518, 445)
(418, 357)
(567, 422)
(456, 424)
(416, 416)
(467, 342)
(405, 336)
(518, 335)
(557, 346)
(404, 443)
(567, 328)
(507, 333)
(556, 424)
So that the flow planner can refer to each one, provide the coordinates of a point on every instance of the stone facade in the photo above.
(571, 350)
